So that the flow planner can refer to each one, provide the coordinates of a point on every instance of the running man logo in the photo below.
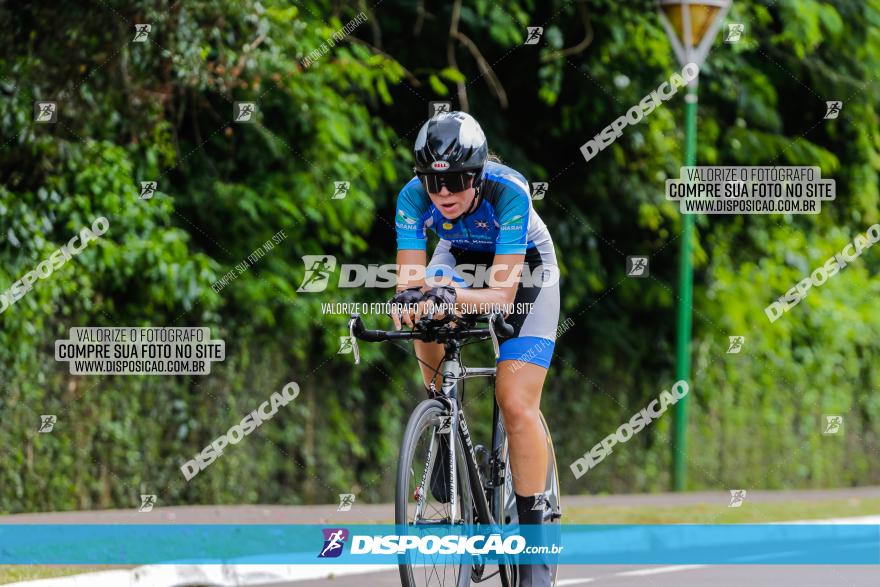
(534, 35)
(47, 423)
(832, 109)
(45, 112)
(735, 32)
(148, 188)
(539, 189)
(346, 500)
(435, 108)
(833, 425)
(540, 502)
(637, 267)
(244, 111)
(334, 541)
(736, 344)
(318, 270)
(340, 189)
(147, 503)
(445, 426)
(141, 33)
(346, 345)
(737, 497)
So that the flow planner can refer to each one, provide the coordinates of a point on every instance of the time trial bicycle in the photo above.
(476, 484)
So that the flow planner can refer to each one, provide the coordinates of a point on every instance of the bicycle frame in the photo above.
(453, 374)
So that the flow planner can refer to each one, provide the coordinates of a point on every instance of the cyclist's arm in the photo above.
(412, 243)
(410, 273)
(411, 268)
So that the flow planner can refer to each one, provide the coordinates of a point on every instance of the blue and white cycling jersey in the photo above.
(505, 222)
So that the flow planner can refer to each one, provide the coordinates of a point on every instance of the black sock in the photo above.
(527, 511)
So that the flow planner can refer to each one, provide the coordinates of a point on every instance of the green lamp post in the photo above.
(691, 26)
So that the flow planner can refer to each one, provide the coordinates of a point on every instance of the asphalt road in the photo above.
(363, 513)
(746, 575)
(659, 576)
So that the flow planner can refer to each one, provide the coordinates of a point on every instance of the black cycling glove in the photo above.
(412, 295)
(441, 296)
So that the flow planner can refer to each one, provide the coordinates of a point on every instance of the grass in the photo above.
(13, 573)
(748, 513)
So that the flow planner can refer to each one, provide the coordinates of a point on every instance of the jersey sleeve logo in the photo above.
(512, 223)
(407, 219)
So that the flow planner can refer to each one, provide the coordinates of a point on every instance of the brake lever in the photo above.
(494, 336)
(354, 344)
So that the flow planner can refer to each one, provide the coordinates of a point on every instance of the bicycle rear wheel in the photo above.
(416, 504)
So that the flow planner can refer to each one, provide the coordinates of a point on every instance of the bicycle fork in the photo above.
(451, 372)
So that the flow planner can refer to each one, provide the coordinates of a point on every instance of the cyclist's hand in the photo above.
(408, 297)
(441, 298)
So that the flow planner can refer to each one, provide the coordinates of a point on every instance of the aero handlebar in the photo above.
(446, 329)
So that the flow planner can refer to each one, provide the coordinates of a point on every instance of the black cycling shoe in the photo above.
(440, 473)
(534, 575)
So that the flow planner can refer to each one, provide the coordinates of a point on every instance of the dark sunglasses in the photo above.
(454, 182)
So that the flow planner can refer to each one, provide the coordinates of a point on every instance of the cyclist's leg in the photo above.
(522, 368)
(518, 389)
(430, 356)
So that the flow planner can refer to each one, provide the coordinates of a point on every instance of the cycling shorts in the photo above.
(536, 307)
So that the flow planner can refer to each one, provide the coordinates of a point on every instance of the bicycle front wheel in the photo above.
(424, 491)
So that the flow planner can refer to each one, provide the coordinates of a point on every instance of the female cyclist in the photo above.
(482, 212)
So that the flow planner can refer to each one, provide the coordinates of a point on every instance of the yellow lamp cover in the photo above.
(701, 16)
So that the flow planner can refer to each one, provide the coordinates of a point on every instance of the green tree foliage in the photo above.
(163, 111)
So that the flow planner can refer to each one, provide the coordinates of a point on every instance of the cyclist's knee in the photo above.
(520, 411)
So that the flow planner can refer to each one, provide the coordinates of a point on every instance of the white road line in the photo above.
(658, 570)
(869, 520)
(565, 582)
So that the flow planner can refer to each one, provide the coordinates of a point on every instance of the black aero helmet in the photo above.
(450, 142)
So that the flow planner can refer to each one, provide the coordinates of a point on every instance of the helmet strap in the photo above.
(478, 183)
